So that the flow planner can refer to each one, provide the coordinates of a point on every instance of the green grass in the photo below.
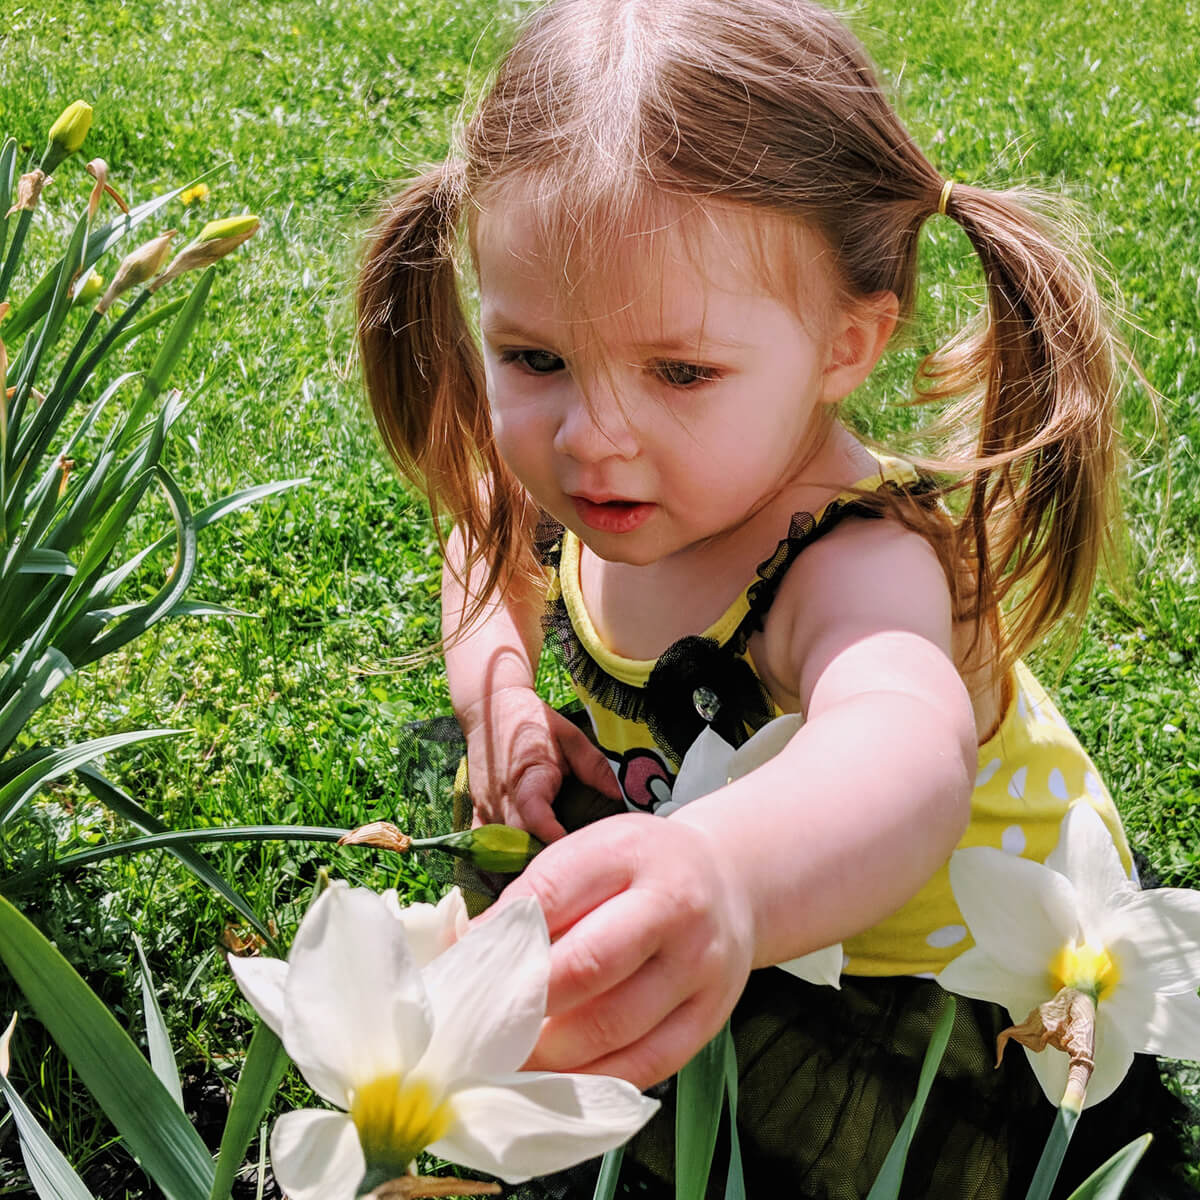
(295, 713)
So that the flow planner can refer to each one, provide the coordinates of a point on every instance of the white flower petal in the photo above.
(821, 966)
(704, 769)
(1172, 1028)
(262, 982)
(431, 928)
(532, 1124)
(764, 745)
(488, 992)
(316, 1156)
(976, 974)
(355, 1006)
(1087, 855)
(1113, 1060)
(1154, 937)
(1020, 912)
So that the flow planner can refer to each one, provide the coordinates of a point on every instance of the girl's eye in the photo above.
(536, 362)
(685, 374)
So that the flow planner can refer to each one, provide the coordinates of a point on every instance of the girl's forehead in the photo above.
(686, 255)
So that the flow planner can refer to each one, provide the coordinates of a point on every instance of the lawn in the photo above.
(297, 711)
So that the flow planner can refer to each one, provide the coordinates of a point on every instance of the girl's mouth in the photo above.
(612, 516)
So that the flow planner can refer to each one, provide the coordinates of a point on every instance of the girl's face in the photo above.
(668, 423)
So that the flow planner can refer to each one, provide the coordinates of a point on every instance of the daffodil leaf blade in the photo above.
(699, 1098)
(162, 1056)
(264, 1068)
(891, 1174)
(123, 1083)
(53, 1178)
(610, 1171)
(1108, 1181)
(735, 1182)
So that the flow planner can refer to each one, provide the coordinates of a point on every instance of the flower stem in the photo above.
(1055, 1149)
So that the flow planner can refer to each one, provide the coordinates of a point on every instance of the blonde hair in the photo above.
(604, 111)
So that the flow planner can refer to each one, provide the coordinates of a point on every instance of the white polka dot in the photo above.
(1016, 785)
(987, 772)
(1058, 785)
(948, 935)
(1022, 704)
(1012, 840)
(1091, 781)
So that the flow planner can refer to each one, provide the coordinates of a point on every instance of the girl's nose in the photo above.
(593, 429)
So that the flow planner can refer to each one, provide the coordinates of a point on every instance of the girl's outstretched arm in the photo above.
(657, 923)
(518, 748)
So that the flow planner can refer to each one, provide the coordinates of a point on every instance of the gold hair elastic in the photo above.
(944, 198)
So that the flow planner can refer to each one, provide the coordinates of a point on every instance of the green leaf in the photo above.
(162, 1057)
(1108, 1181)
(105, 1058)
(264, 1068)
(1053, 1153)
(610, 1170)
(699, 1098)
(46, 562)
(735, 1183)
(8, 166)
(44, 676)
(15, 793)
(51, 1175)
(125, 806)
(887, 1183)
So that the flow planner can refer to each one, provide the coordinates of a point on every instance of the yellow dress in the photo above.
(1031, 769)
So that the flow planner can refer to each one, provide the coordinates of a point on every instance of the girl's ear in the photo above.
(859, 336)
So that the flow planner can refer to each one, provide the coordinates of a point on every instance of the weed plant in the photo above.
(297, 710)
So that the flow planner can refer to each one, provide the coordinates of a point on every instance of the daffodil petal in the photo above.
(704, 769)
(430, 928)
(976, 974)
(489, 993)
(1114, 1057)
(1172, 1028)
(316, 1156)
(1087, 855)
(530, 1124)
(262, 982)
(1019, 912)
(764, 745)
(820, 967)
(1154, 937)
(355, 1007)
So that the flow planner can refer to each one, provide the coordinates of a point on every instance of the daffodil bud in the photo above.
(139, 267)
(86, 290)
(215, 240)
(67, 134)
(492, 847)
(29, 190)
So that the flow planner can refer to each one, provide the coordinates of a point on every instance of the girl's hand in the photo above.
(653, 942)
(519, 750)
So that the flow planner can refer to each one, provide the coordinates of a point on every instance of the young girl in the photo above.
(693, 226)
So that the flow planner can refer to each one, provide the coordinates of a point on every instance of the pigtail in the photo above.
(424, 376)
(1041, 385)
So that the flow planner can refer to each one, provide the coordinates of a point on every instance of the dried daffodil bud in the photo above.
(381, 834)
(98, 170)
(1068, 1023)
(67, 134)
(139, 267)
(491, 847)
(86, 290)
(215, 240)
(410, 1187)
(29, 190)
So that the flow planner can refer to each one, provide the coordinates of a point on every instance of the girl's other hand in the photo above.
(519, 750)
(653, 943)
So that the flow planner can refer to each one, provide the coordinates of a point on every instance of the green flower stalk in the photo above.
(214, 241)
(67, 134)
(139, 267)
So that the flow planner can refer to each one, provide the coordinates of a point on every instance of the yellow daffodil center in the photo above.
(396, 1119)
(1086, 968)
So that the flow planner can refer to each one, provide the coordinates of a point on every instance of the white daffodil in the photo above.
(1077, 921)
(710, 763)
(416, 1027)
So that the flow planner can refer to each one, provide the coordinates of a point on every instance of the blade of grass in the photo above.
(264, 1068)
(157, 1132)
(162, 1057)
(887, 1182)
(52, 1176)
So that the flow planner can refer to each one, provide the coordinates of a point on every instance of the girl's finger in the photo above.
(531, 804)
(588, 764)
